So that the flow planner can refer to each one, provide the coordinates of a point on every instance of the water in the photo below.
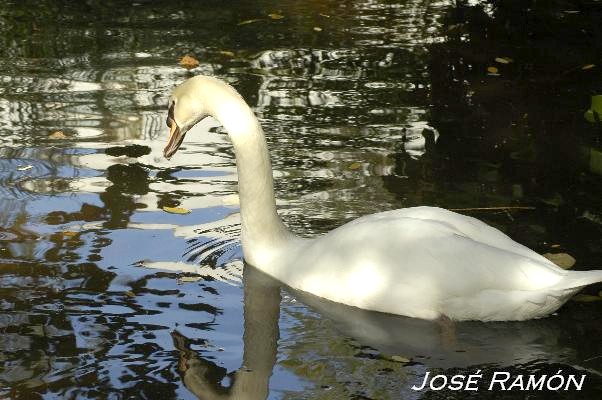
(367, 105)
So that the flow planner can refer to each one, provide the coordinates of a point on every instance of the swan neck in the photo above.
(261, 226)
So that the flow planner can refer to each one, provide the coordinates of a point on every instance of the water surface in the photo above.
(367, 105)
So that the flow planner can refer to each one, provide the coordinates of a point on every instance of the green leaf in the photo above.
(596, 108)
(586, 298)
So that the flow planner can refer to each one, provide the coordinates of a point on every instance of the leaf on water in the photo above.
(275, 16)
(69, 233)
(503, 60)
(57, 135)
(129, 293)
(400, 359)
(25, 168)
(355, 166)
(189, 62)
(188, 279)
(586, 298)
(227, 53)
(176, 210)
(492, 70)
(563, 260)
(317, 29)
(588, 66)
(248, 21)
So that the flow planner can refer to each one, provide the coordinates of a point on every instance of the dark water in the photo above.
(368, 106)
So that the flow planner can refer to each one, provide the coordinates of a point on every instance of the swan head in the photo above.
(186, 109)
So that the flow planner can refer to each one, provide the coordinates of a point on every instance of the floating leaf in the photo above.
(227, 53)
(25, 168)
(57, 135)
(596, 108)
(400, 359)
(317, 29)
(563, 260)
(189, 62)
(248, 21)
(492, 70)
(588, 66)
(586, 298)
(188, 279)
(275, 16)
(129, 293)
(176, 210)
(69, 233)
(503, 60)
(355, 166)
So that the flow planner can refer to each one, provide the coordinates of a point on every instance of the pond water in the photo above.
(368, 105)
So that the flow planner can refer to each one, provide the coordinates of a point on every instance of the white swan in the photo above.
(422, 262)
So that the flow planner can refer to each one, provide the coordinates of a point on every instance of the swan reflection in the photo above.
(427, 344)
(261, 312)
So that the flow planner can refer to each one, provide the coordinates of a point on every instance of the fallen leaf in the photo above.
(189, 62)
(492, 70)
(355, 166)
(588, 66)
(176, 210)
(249, 21)
(503, 60)
(400, 359)
(69, 233)
(227, 53)
(188, 279)
(25, 168)
(586, 298)
(317, 29)
(57, 135)
(275, 16)
(563, 260)
(129, 293)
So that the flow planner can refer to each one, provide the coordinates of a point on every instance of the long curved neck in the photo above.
(262, 228)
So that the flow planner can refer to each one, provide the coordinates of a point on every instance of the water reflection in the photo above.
(205, 379)
(383, 106)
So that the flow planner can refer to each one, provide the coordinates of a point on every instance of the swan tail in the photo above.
(579, 279)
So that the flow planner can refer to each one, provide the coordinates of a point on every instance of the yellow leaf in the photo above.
(248, 21)
(503, 60)
(588, 66)
(57, 135)
(275, 16)
(129, 293)
(189, 62)
(176, 210)
(492, 70)
(400, 359)
(227, 53)
(355, 166)
(586, 298)
(69, 233)
(563, 260)
(317, 29)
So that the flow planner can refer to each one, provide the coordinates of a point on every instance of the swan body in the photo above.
(422, 262)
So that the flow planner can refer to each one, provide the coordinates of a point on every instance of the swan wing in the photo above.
(423, 263)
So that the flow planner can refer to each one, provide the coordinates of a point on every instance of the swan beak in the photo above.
(175, 140)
